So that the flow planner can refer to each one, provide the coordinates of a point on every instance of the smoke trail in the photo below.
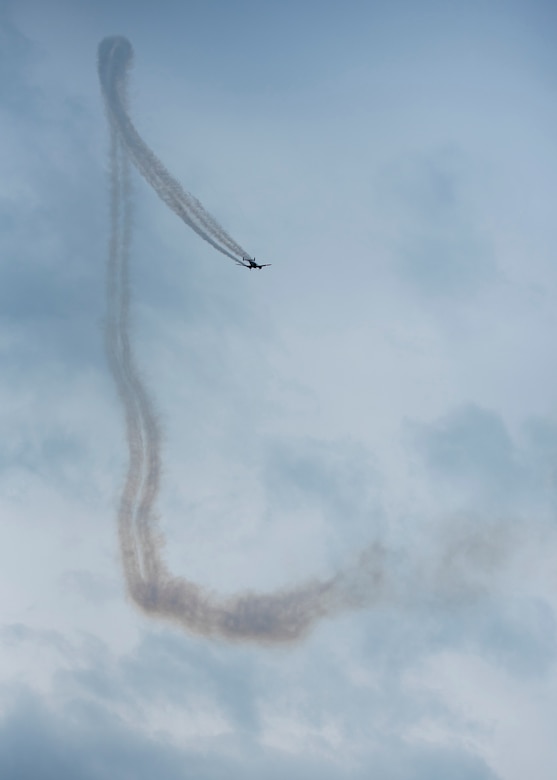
(276, 617)
(115, 57)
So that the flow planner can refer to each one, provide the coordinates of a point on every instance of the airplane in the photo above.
(249, 262)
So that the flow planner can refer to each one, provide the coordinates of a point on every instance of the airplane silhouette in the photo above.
(249, 262)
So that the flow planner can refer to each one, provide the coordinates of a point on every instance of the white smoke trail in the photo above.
(276, 617)
(114, 60)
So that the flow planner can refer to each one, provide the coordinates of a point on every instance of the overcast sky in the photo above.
(390, 380)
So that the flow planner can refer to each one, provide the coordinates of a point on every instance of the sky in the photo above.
(388, 384)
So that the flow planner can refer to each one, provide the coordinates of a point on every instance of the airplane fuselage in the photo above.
(250, 263)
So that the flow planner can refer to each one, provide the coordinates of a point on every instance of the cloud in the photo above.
(340, 707)
(472, 459)
(201, 712)
(336, 480)
(50, 232)
(517, 634)
(83, 742)
(470, 443)
(89, 586)
(17, 55)
(441, 249)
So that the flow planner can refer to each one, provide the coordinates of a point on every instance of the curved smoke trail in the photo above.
(114, 60)
(275, 617)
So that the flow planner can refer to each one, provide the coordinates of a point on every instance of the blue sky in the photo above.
(390, 380)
